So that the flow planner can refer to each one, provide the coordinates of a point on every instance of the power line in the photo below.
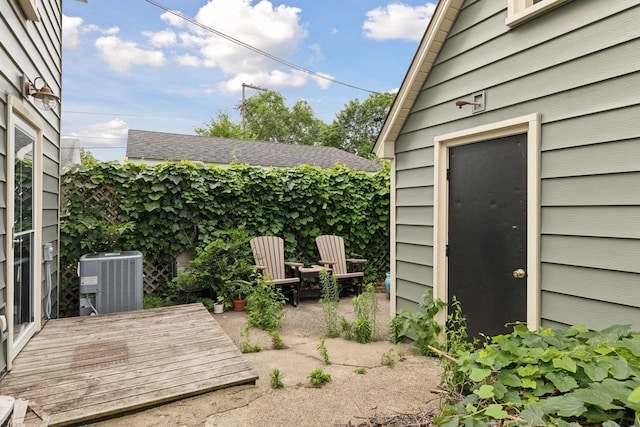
(256, 50)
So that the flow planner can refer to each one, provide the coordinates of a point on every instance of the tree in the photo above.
(223, 127)
(357, 126)
(269, 119)
(87, 158)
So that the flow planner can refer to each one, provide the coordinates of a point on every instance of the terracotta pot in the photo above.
(238, 304)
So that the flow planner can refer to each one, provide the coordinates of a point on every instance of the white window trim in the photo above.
(529, 125)
(519, 11)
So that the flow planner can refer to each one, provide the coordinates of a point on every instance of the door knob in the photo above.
(519, 273)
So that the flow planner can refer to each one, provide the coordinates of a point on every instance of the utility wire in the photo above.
(255, 49)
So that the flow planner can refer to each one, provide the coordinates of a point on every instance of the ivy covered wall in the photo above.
(165, 209)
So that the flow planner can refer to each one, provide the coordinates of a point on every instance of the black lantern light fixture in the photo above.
(43, 96)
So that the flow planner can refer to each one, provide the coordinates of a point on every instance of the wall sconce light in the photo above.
(477, 102)
(461, 104)
(43, 96)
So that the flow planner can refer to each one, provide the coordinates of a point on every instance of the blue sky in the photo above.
(131, 64)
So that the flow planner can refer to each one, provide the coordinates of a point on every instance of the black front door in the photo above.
(487, 225)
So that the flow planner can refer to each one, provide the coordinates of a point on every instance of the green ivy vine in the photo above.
(162, 210)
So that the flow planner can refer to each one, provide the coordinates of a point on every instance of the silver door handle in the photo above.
(519, 273)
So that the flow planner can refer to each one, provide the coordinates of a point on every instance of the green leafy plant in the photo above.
(549, 377)
(365, 328)
(265, 305)
(329, 303)
(323, 352)
(421, 325)
(319, 378)
(276, 340)
(387, 359)
(245, 345)
(276, 380)
(360, 371)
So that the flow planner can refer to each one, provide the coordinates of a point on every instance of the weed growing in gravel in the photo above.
(276, 381)
(323, 352)
(329, 303)
(361, 371)
(387, 359)
(318, 378)
(365, 328)
(246, 346)
(277, 342)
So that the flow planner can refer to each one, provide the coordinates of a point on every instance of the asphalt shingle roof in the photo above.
(160, 146)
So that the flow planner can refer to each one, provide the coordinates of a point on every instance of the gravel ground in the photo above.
(349, 398)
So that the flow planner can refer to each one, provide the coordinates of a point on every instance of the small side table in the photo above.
(311, 274)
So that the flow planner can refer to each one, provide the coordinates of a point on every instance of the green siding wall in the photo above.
(578, 66)
(32, 49)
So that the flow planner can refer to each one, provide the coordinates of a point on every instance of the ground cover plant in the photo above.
(572, 377)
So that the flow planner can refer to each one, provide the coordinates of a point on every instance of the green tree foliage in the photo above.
(267, 118)
(223, 127)
(357, 126)
(86, 157)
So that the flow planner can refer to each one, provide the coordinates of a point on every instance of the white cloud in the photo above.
(111, 31)
(317, 54)
(120, 55)
(110, 134)
(71, 31)
(165, 38)
(73, 28)
(323, 83)
(276, 30)
(188, 60)
(398, 21)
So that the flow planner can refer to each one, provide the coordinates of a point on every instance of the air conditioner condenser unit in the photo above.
(110, 282)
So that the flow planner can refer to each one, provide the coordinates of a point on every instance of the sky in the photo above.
(172, 65)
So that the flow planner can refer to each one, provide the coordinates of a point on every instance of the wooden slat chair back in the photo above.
(268, 254)
(332, 255)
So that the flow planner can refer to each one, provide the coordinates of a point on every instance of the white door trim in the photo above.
(529, 125)
(17, 113)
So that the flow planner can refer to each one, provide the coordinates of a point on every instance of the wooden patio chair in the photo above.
(348, 271)
(268, 253)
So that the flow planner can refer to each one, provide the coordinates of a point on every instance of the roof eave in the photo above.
(443, 18)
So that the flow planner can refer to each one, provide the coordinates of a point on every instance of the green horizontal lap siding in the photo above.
(569, 309)
(420, 235)
(593, 159)
(414, 177)
(417, 196)
(603, 285)
(578, 67)
(595, 252)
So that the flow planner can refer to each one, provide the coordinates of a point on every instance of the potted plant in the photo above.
(241, 288)
(218, 305)
(225, 260)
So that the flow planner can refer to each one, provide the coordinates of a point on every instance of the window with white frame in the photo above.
(519, 11)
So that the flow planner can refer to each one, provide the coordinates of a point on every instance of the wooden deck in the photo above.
(85, 368)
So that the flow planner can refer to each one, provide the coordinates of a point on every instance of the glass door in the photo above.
(23, 235)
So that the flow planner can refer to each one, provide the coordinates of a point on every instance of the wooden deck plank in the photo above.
(91, 367)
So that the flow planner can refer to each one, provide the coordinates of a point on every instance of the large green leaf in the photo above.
(564, 406)
(562, 381)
